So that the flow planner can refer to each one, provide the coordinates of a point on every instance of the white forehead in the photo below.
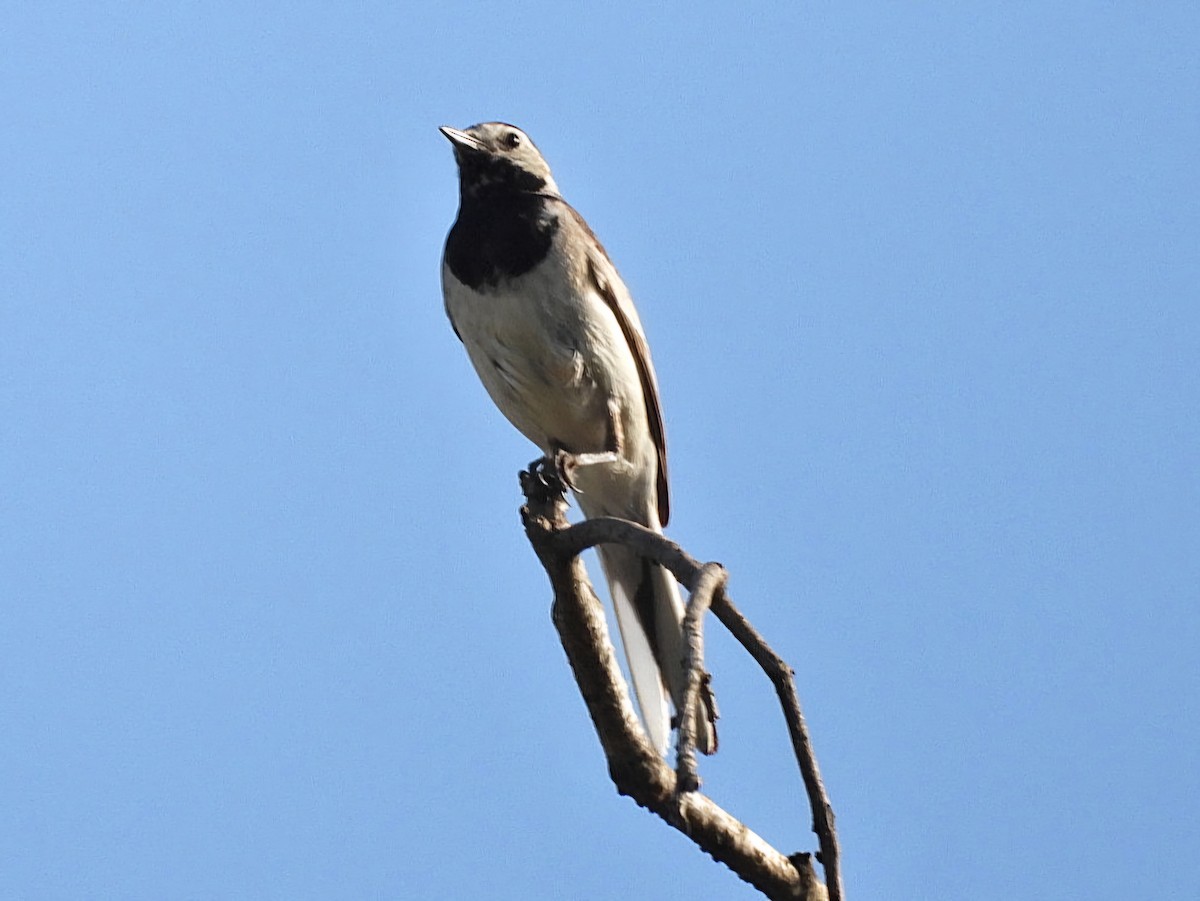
(508, 140)
(494, 132)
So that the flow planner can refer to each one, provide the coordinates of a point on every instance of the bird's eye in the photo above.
(512, 140)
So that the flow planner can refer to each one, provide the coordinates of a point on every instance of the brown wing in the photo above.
(604, 276)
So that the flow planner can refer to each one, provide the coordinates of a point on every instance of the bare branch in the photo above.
(711, 578)
(573, 540)
(782, 677)
(634, 766)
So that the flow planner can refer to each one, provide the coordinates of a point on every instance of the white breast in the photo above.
(551, 354)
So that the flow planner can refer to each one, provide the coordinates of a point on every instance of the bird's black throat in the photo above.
(499, 234)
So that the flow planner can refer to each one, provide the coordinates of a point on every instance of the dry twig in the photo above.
(634, 766)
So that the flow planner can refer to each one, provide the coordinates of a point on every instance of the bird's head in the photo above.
(500, 157)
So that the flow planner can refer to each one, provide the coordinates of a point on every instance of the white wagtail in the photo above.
(556, 341)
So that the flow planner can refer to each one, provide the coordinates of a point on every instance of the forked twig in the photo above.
(636, 769)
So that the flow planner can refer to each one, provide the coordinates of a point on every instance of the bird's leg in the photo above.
(567, 463)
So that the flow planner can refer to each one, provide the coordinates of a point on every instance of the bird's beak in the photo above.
(461, 140)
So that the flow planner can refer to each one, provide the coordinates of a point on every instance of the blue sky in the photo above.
(921, 285)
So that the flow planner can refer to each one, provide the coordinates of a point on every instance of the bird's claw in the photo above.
(564, 468)
(551, 473)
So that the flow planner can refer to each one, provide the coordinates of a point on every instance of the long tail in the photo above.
(650, 616)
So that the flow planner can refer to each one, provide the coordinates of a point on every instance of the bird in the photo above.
(552, 333)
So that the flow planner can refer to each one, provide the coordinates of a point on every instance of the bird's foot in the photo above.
(566, 464)
(546, 496)
(544, 472)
